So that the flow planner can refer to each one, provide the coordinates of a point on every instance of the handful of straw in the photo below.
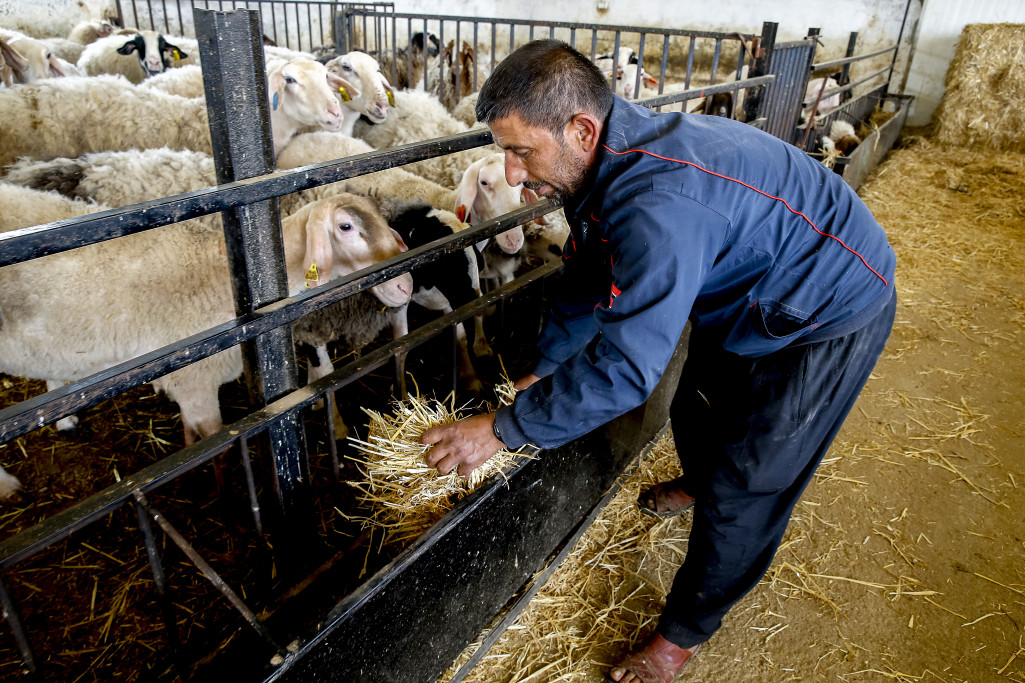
(408, 496)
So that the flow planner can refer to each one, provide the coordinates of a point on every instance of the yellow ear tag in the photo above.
(177, 56)
(312, 275)
(345, 94)
(391, 99)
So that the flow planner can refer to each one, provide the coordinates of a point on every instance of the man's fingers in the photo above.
(434, 456)
(447, 464)
(430, 436)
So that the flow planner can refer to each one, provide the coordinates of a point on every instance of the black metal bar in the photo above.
(640, 66)
(695, 93)
(690, 63)
(760, 66)
(71, 519)
(329, 423)
(715, 62)
(624, 28)
(254, 502)
(615, 64)
(426, 57)
(208, 571)
(845, 73)
(573, 38)
(43, 409)
(236, 94)
(51, 238)
(849, 86)
(17, 628)
(900, 37)
(850, 60)
(159, 580)
(475, 69)
(442, 48)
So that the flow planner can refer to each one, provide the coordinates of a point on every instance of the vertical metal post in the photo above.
(845, 75)
(341, 29)
(230, 45)
(754, 102)
(893, 63)
(159, 580)
(10, 614)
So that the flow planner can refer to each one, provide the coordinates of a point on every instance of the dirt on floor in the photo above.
(905, 559)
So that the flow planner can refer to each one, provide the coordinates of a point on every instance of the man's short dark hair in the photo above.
(546, 82)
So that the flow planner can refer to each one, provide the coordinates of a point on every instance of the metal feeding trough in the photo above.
(411, 619)
(855, 168)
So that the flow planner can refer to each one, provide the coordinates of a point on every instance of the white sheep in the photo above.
(418, 116)
(72, 116)
(136, 57)
(84, 33)
(485, 194)
(42, 63)
(465, 110)
(818, 89)
(376, 92)
(89, 319)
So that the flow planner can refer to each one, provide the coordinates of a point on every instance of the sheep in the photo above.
(42, 63)
(376, 92)
(71, 116)
(88, 325)
(483, 195)
(136, 57)
(817, 88)
(842, 137)
(418, 116)
(449, 281)
(84, 33)
(319, 147)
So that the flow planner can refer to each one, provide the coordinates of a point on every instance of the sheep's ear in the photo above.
(12, 57)
(56, 70)
(530, 197)
(466, 195)
(346, 89)
(128, 48)
(275, 83)
(319, 259)
(398, 238)
(177, 54)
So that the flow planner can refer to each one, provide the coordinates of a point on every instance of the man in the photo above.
(785, 274)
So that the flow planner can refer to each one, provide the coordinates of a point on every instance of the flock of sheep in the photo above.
(107, 117)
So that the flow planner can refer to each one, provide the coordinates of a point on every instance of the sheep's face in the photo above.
(304, 91)
(549, 165)
(345, 234)
(376, 96)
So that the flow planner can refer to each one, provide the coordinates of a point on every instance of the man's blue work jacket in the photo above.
(701, 217)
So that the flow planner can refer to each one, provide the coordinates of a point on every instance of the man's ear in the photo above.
(585, 130)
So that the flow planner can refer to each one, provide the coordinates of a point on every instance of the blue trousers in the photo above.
(750, 433)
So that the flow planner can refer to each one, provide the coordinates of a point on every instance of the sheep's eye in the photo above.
(483, 182)
(347, 67)
(345, 227)
(289, 80)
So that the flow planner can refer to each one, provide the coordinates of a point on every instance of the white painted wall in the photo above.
(938, 33)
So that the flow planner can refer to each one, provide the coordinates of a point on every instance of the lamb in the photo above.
(483, 195)
(376, 92)
(419, 116)
(153, 53)
(42, 63)
(84, 33)
(816, 90)
(341, 234)
(71, 116)
(319, 147)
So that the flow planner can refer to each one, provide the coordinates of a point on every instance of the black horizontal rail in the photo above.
(51, 238)
(718, 35)
(845, 88)
(850, 60)
(66, 522)
(695, 93)
(46, 408)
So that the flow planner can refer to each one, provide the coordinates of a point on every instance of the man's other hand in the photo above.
(524, 382)
(466, 444)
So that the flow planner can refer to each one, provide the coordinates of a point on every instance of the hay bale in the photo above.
(984, 104)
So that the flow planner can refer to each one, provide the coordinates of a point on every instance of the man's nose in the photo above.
(515, 171)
